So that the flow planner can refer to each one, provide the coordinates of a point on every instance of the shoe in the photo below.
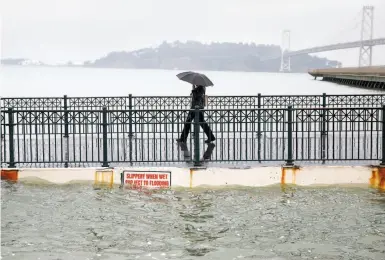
(180, 141)
(210, 140)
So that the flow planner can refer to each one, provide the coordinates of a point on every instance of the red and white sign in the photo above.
(146, 179)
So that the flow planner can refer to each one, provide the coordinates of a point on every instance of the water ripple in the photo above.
(77, 222)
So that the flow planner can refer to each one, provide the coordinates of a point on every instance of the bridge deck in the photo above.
(331, 47)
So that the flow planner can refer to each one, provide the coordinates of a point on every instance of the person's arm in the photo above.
(194, 90)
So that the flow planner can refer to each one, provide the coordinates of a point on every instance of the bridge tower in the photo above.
(285, 47)
(365, 58)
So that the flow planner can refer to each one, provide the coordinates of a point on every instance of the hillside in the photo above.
(194, 55)
(21, 62)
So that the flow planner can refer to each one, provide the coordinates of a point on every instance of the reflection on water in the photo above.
(196, 216)
(77, 222)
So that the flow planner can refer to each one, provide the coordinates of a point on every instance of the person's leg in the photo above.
(187, 127)
(206, 128)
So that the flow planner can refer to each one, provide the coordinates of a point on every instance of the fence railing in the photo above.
(183, 102)
(106, 137)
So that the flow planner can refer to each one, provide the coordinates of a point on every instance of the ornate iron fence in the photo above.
(84, 137)
(183, 102)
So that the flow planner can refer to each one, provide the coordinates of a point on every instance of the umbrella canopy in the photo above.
(195, 78)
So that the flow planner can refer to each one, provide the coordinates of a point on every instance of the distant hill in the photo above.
(194, 55)
(22, 62)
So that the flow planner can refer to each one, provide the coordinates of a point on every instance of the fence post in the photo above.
(130, 135)
(324, 101)
(197, 161)
(104, 124)
(11, 140)
(323, 130)
(259, 127)
(66, 132)
(289, 161)
(383, 136)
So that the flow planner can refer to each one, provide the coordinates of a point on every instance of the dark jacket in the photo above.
(198, 97)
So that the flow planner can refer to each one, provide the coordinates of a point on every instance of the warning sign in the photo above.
(147, 179)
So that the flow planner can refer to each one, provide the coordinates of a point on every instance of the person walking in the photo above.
(198, 94)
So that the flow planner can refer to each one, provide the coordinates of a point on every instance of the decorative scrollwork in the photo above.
(355, 100)
(96, 103)
(308, 115)
(296, 101)
(84, 117)
(184, 102)
(161, 102)
(48, 103)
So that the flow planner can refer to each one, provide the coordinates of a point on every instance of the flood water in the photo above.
(77, 222)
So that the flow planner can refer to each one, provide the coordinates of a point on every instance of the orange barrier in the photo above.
(9, 175)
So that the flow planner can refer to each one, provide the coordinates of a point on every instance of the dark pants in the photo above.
(203, 124)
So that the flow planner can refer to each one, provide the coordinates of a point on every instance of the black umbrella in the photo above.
(195, 78)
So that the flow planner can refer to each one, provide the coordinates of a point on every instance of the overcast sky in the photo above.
(78, 30)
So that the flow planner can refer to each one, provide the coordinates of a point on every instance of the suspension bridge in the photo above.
(365, 44)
